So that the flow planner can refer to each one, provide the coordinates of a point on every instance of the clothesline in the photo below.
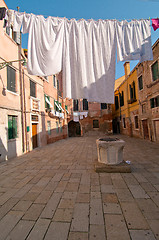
(85, 51)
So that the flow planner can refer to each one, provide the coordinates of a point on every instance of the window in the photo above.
(103, 105)
(136, 122)
(32, 89)
(16, 36)
(140, 82)
(155, 72)
(47, 106)
(95, 124)
(12, 127)
(121, 97)
(143, 108)
(132, 93)
(54, 80)
(11, 84)
(49, 127)
(116, 103)
(85, 104)
(75, 105)
(124, 123)
(154, 102)
(57, 127)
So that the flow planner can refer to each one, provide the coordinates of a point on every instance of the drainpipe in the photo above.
(26, 138)
(21, 92)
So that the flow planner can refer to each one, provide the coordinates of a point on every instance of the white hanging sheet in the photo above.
(85, 51)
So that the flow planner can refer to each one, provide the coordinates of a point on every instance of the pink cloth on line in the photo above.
(155, 23)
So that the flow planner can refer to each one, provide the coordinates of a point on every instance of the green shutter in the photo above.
(14, 127)
(10, 132)
(134, 91)
(66, 107)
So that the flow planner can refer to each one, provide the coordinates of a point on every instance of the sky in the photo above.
(92, 9)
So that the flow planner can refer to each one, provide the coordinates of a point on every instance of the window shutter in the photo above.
(14, 127)
(152, 103)
(155, 71)
(134, 91)
(10, 133)
(17, 37)
(11, 79)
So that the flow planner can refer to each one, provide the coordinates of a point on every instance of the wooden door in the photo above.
(145, 129)
(157, 130)
(34, 135)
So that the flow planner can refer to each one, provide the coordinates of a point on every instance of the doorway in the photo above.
(74, 129)
(34, 135)
(145, 129)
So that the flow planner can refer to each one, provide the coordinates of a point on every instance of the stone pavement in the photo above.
(53, 193)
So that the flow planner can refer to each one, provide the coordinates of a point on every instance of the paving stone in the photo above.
(80, 219)
(154, 226)
(39, 230)
(72, 187)
(21, 230)
(138, 191)
(124, 194)
(9, 222)
(43, 197)
(112, 208)
(107, 188)
(61, 186)
(95, 188)
(155, 197)
(7, 195)
(149, 209)
(63, 215)
(78, 236)
(156, 186)
(22, 206)
(95, 195)
(129, 179)
(51, 206)
(69, 195)
(116, 227)
(83, 198)
(57, 230)
(119, 183)
(140, 178)
(133, 216)
(96, 212)
(97, 232)
(66, 203)
(7, 207)
(105, 179)
(84, 188)
(142, 234)
(19, 194)
(109, 198)
(148, 187)
(33, 212)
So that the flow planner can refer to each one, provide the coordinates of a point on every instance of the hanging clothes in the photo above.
(85, 51)
(155, 23)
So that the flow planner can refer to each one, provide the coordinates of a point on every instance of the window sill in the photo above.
(14, 93)
(12, 140)
(153, 83)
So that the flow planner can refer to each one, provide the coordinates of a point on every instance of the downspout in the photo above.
(26, 138)
(21, 90)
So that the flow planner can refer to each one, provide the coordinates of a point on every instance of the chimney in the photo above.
(127, 68)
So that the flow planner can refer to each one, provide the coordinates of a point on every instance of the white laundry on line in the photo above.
(85, 51)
